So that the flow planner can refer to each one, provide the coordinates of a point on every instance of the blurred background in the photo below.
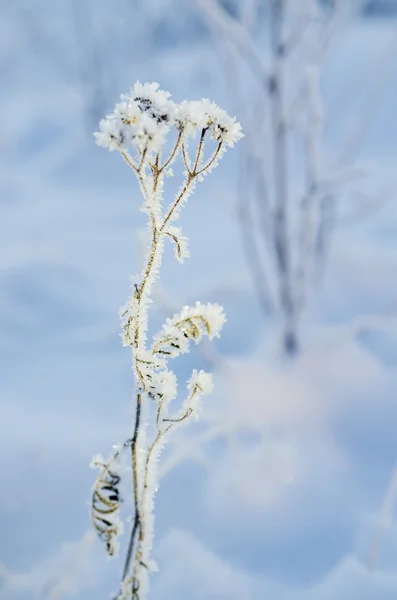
(285, 489)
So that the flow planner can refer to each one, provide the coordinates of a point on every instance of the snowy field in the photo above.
(281, 499)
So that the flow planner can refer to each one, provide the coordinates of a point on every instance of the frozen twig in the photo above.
(249, 175)
(138, 128)
(280, 166)
(235, 31)
(288, 186)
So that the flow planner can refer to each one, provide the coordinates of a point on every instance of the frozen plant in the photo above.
(145, 126)
(294, 190)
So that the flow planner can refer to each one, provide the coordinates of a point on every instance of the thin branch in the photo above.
(236, 32)
(199, 150)
(176, 203)
(309, 205)
(340, 16)
(251, 250)
(211, 162)
(134, 458)
(134, 445)
(173, 154)
(186, 160)
(246, 173)
(129, 160)
(280, 167)
(249, 14)
(143, 160)
(179, 419)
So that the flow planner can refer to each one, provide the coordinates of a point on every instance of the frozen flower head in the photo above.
(202, 114)
(154, 101)
(145, 116)
(111, 134)
(142, 120)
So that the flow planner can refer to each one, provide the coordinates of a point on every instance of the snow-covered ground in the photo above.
(281, 499)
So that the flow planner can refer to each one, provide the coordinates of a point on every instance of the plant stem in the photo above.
(177, 202)
(137, 342)
(135, 557)
(280, 166)
(134, 457)
(213, 159)
(173, 153)
(200, 147)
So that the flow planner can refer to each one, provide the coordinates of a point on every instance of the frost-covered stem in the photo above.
(143, 160)
(139, 519)
(310, 203)
(142, 557)
(154, 247)
(138, 341)
(186, 159)
(177, 202)
(336, 23)
(148, 491)
(149, 267)
(251, 242)
(211, 162)
(173, 153)
(134, 457)
(190, 177)
(129, 160)
(135, 444)
(280, 160)
(236, 32)
(139, 560)
(141, 317)
(200, 147)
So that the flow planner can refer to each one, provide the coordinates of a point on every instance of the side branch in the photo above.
(177, 202)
